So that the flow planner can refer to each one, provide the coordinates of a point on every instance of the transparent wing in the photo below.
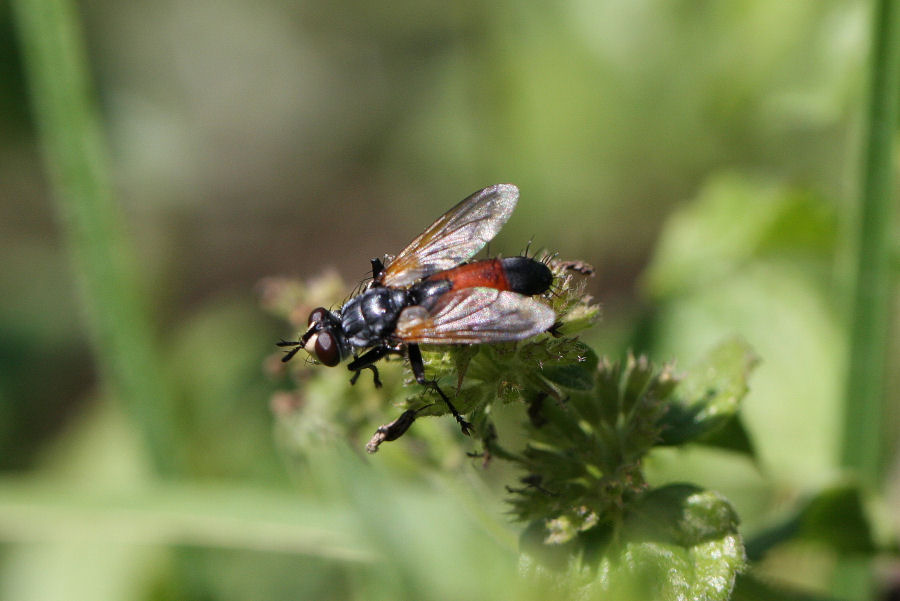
(455, 237)
(475, 316)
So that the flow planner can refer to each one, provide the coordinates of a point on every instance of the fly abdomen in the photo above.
(516, 274)
(527, 276)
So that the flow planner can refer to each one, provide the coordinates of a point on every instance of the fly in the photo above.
(430, 294)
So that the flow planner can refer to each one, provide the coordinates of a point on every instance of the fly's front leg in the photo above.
(418, 369)
(367, 361)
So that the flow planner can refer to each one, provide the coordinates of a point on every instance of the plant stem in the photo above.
(90, 220)
(865, 437)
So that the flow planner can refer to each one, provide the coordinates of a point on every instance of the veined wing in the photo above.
(475, 316)
(455, 237)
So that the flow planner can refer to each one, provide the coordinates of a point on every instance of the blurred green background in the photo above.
(703, 156)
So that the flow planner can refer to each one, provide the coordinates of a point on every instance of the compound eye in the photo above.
(317, 316)
(327, 350)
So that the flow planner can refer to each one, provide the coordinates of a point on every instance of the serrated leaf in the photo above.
(710, 394)
(834, 517)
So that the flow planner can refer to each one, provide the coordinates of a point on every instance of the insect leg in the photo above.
(367, 361)
(377, 268)
(418, 369)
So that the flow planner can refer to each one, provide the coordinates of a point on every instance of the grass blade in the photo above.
(102, 259)
(865, 438)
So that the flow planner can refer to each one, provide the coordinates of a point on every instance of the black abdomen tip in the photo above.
(527, 276)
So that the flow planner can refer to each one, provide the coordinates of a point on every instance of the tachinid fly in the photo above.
(429, 294)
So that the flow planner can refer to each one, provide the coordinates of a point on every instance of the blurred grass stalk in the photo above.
(101, 256)
(865, 441)
(181, 514)
(864, 446)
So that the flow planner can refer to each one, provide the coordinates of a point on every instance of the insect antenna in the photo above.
(288, 355)
(296, 344)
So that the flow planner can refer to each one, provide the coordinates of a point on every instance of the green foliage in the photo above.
(587, 499)
(704, 242)
(607, 113)
(708, 398)
(677, 542)
(582, 458)
(767, 275)
(764, 273)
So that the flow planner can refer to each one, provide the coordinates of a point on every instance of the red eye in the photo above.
(327, 350)
(317, 316)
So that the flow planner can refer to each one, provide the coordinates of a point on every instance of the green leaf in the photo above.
(732, 436)
(676, 542)
(706, 240)
(710, 395)
(578, 375)
(680, 542)
(834, 517)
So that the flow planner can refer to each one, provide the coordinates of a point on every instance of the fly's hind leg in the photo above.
(418, 369)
